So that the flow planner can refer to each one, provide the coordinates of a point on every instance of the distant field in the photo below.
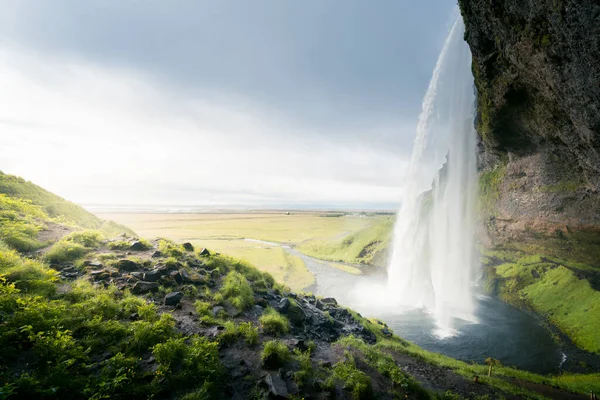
(225, 233)
(269, 226)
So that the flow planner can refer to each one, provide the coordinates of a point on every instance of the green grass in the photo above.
(20, 222)
(238, 291)
(354, 380)
(556, 293)
(285, 268)
(275, 354)
(274, 323)
(62, 252)
(366, 246)
(61, 210)
(269, 226)
(570, 303)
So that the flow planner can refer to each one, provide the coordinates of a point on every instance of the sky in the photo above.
(221, 102)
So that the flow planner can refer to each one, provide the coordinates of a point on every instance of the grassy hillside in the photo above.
(127, 318)
(557, 289)
(54, 207)
(366, 246)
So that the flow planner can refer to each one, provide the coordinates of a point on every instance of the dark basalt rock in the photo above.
(137, 246)
(204, 252)
(276, 386)
(292, 311)
(93, 264)
(141, 287)
(152, 276)
(187, 246)
(127, 265)
(172, 299)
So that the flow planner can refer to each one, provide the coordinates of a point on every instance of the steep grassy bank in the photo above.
(565, 293)
(369, 245)
(55, 208)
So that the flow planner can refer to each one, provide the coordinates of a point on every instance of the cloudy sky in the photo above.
(216, 102)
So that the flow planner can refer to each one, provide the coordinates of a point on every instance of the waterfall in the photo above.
(432, 261)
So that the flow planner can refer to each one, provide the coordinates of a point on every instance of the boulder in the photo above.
(187, 246)
(172, 299)
(291, 310)
(276, 386)
(127, 265)
(93, 264)
(137, 246)
(204, 252)
(330, 301)
(177, 277)
(157, 254)
(144, 287)
(153, 276)
(217, 310)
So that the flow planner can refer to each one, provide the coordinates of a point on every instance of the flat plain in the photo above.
(226, 233)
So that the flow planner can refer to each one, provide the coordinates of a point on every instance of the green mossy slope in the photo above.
(55, 207)
(367, 246)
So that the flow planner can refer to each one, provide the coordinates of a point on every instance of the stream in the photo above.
(514, 337)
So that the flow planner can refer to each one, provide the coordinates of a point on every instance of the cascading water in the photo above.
(432, 260)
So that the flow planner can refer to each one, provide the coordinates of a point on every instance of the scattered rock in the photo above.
(157, 254)
(535, 274)
(93, 264)
(204, 252)
(387, 332)
(144, 287)
(177, 277)
(137, 246)
(292, 311)
(217, 309)
(330, 301)
(134, 317)
(153, 276)
(172, 299)
(127, 265)
(187, 246)
(276, 386)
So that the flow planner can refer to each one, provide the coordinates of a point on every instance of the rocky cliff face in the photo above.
(536, 65)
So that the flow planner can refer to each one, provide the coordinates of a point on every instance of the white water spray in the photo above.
(432, 262)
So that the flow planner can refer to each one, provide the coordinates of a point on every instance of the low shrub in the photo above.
(119, 245)
(274, 323)
(170, 249)
(237, 290)
(87, 238)
(353, 379)
(274, 354)
(64, 251)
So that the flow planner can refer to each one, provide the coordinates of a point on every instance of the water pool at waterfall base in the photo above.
(515, 337)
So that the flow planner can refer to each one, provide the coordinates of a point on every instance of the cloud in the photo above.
(114, 135)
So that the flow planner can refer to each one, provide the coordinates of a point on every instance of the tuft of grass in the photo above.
(87, 238)
(170, 249)
(274, 354)
(118, 245)
(249, 332)
(62, 252)
(353, 379)
(274, 323)
(237, 290)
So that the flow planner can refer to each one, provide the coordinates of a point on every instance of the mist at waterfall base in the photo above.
(432, 264)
